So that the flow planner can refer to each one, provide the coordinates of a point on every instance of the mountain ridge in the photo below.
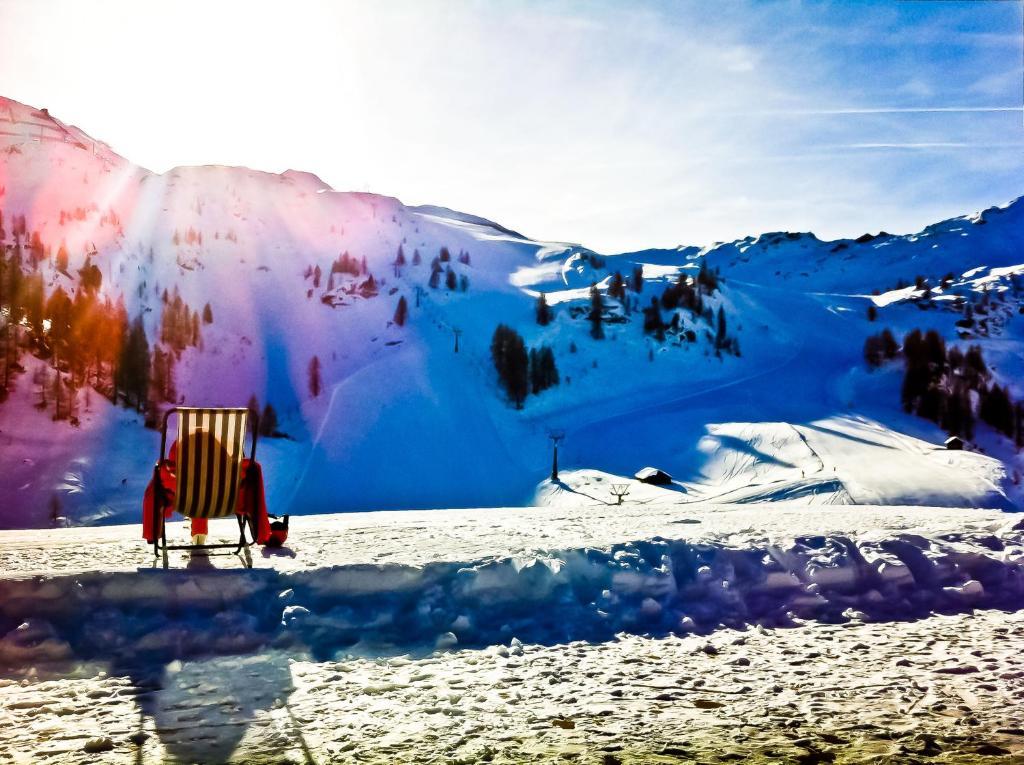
(242, 281)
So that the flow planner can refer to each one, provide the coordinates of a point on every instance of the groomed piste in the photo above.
(381, 584)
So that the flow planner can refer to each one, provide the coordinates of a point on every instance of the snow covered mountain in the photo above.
(746, 381)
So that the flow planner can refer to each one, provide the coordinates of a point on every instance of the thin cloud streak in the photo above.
(931, 145)
(883, 110)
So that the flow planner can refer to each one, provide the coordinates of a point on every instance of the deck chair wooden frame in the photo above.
(208, 472)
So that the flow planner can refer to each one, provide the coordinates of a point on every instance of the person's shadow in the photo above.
(278, 552)
(202, 709)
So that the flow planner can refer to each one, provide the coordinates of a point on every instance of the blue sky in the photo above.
(619, 125)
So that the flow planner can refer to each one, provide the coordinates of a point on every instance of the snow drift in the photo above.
(655, 586)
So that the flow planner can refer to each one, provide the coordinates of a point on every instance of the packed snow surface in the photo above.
(639, 632)
(943, 689)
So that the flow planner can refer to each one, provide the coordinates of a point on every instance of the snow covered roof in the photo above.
(653, 475)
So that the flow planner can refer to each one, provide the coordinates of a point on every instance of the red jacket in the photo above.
(251, 499)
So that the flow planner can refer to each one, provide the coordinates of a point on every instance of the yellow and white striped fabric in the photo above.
(209, 461)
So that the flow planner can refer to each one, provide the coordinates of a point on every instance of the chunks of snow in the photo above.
(97, 745)
(653, 586)
(969, 590)
(31, 641)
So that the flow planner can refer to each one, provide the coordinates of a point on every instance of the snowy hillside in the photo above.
(746, 381)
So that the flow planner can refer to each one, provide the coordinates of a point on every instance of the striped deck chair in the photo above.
(208, 471)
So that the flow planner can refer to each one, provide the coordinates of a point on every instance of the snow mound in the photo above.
(750, 454)
(808, 491)
(839, 460)
(656, 585)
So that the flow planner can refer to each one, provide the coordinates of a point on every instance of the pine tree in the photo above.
(161, 385)
(544, 314)
(207, 314)
(450, 281)
(880, 347)
(637, 282)
(401, 312)
(345, 264)
(932, 404)
(997, 410)
(58, 310)
(9, 335)
(41, 377)
(62, 258)
(134, 365)
(653, 323)
(268, 422)
(445, 255)
(912, 387)
(721, 338)
(872, 312)
(975, 369)
(315, 382)
(416, 257)
(549, 368)
(955, 359)
(917, 376)
(90, 278)
(873, 351)
(617, 287)
(31, 299)
(889, 346)
(706, 278)
(596, 317)
(535, 383)
(957, 419)
(543, 372)
(511, 361)
(254, 409)
(935, 348)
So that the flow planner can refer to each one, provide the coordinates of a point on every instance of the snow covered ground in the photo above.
(846, 460)
(640, 633)
(945, 689)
